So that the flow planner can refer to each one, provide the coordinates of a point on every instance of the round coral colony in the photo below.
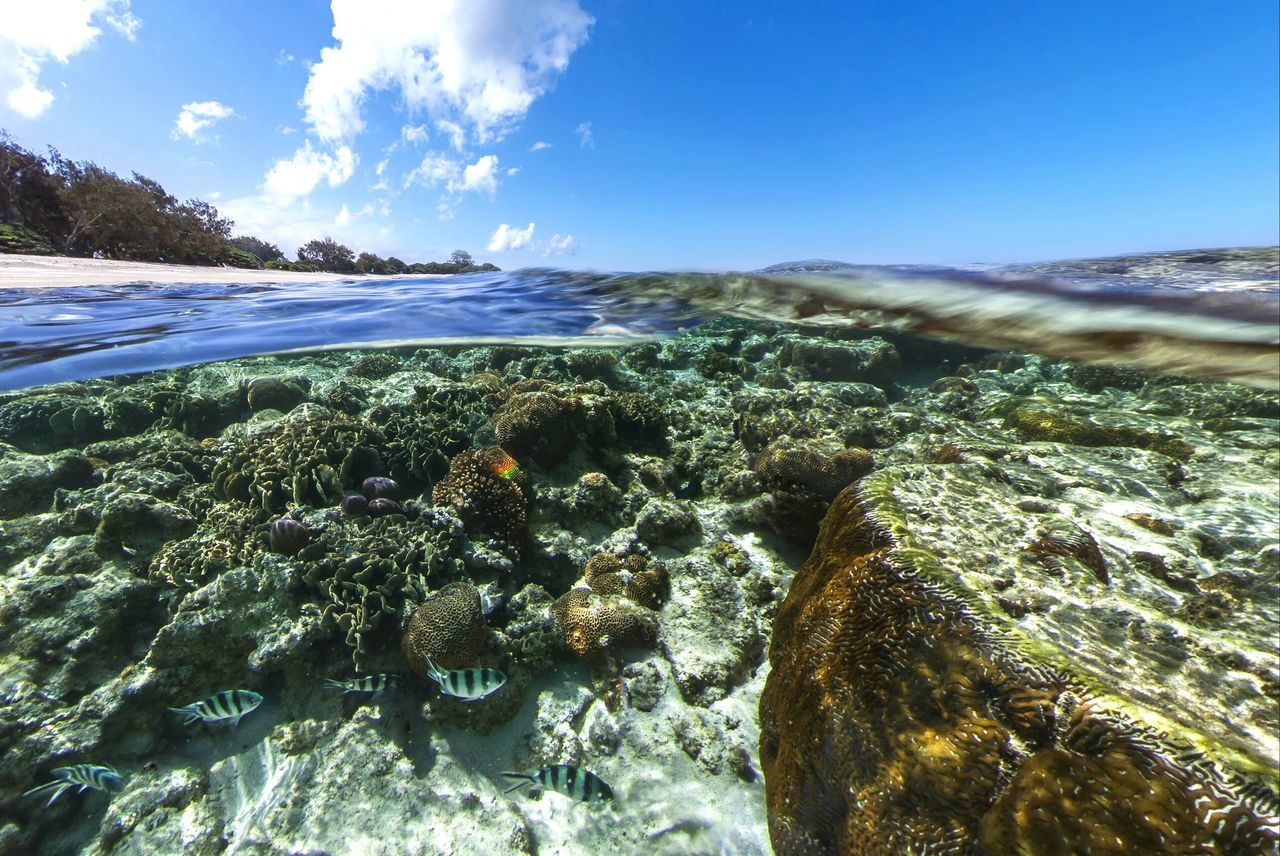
(288, 536)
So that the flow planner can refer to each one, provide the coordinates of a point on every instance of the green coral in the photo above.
(298, 462)
(1042, 421)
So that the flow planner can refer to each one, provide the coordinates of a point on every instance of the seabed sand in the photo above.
(19, 271)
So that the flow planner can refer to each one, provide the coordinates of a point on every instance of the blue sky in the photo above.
(680, 135)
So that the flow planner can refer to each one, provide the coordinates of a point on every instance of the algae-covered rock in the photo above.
(28, 482)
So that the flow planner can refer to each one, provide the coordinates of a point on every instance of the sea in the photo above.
(817, 558)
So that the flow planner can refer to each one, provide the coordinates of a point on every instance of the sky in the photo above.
(649, 134)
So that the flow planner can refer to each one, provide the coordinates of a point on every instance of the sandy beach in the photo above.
(19, 271)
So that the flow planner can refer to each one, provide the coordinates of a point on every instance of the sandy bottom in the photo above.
(19, 271)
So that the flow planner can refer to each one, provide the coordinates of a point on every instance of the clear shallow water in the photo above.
(1213, 314)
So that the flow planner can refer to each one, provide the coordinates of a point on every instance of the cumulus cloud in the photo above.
(456, 133)
(510, 238)
(481, 176)
(513, 170)
(539, 146)
(36, 32)
(560, 245)
(477, 64)
(299, 175)
(196, 116)
(435, 170)
(586, 140)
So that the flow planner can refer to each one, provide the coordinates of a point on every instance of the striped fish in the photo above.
(373, 684)
(227, 706)
(574, 782)
(466, 684)
(87, 776)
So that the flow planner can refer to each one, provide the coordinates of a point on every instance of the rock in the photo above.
(273, 393)
(664, 522)
(28, 482)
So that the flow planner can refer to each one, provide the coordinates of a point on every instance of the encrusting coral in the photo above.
(448, 626)
(892, 721)
(487, 487)
(631, 577)
(785, 465)
(594, 625)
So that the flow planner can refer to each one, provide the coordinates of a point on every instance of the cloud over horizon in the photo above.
(36, 32)
(195, 117)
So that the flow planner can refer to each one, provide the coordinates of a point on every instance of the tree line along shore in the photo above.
(53, 206)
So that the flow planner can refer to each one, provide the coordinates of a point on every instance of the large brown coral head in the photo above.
(541, 425)
(485, 490)
(785, 465)
(448, 627)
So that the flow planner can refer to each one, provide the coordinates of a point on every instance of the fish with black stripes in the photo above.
(374, 685)
(88, 776)
(574, 782)
(466, 684)
(228, 706)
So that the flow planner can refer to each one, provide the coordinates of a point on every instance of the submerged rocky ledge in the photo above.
(1042, 603)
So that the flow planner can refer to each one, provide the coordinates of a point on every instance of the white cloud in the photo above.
(510, 238)
(35, 32)
(539, 146)
(560, 245)
(513, 170)
(477, 64)
(284, 57)
(286, 130)
(414, 133)
(302, 173)
(434, 170)
(196, 116)
(481, 176)
(213, 195)
(344, 217)
(456, 133)
(585, 138)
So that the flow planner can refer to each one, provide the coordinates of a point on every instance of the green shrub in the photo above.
(19, 239)
(237, 257)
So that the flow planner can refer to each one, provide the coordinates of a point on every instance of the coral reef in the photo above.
(595, 626)
(634, 577)
(540, 425)
(486, 487)
(449, 627)
(894, 721)
(299, 461)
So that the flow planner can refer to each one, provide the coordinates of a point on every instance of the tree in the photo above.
(394, 265)
(462, 258)
(370, 263)
(328, 255)
(263, 250)
(29, 192)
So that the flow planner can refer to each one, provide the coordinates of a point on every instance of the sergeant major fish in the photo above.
(374, 684)
(87, 776)
(466, 684)
(574, 782)
(228, 706)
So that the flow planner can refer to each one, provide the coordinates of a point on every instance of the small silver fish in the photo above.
(87, 776)
(227, 706)
(374, 684)
(466, 684)
(574, 782)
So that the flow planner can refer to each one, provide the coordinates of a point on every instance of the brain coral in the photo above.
(540, 425)
(594, 624)
(785, 465)
(893, 722)
(298, 461)
(631, 577)
(448, 626)
(486, 487)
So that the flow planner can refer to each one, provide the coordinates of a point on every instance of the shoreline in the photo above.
(24, 271)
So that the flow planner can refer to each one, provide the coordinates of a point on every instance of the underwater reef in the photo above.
(1038, 608)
